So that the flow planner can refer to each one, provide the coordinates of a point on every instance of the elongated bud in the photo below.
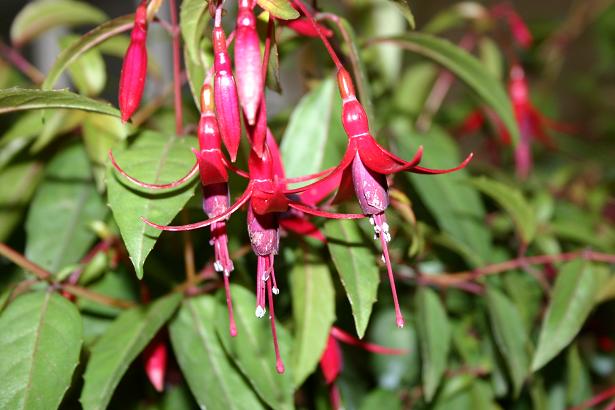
(331, 360)
(304, 27)
(264, 232)
(248, 64)
(155, 356)
(517, 88)
(134, 67)
(225, 95)
(211, 166)
(370, 188)
(354, 117)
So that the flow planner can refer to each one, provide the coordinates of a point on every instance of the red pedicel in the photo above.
(134, 67)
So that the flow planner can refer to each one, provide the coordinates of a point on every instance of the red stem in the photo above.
(23, 65)
(597, 399)
(177, 87)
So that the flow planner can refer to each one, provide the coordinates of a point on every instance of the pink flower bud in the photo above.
(370, 188)
(155, 356)
(225, 94)
(211, 165)
(354, 117)
(134, 67)
(304, 27)
(264, 232)
(331, 360)
(248, 65)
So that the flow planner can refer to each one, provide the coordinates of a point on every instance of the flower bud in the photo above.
(134, 67)
(264, 233)
(225, 95)
(331, 360)
(155, 356)
(211, 166)
(248, 65)
(304, 27)
(354, 117)
(370, 188)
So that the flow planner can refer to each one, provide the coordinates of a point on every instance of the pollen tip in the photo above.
(260, 312)
(400, 322)
(275, 291)
(233, 330)
(279, 366)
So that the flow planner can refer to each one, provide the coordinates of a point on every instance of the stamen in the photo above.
(229, 306)
(382, 229)
(279, 365)
(274, 289)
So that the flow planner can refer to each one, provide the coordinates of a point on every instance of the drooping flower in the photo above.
(134, 66)
(225, 91)
(363, 171)
(155, 356)
(519, 30)
(331, 361)
(248, 65)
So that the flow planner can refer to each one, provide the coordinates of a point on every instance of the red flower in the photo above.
(134, 67)
(518, 28)
(363, 170)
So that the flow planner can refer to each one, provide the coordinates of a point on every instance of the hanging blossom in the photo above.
(533, 125)
(331, 361)
(519, 30)
(366, 164)
(134, 66)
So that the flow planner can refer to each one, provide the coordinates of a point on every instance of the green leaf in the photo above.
(193, 18)
(153, 158)
(62, 210)
(17, 185)
(578, 378)
(455, 205)
(510, 336)
(101, 134)
(313, 298)
(19, 99)
(393, 371)
(314, 138)
(385, 20)
(513, 202)
(40, 344)
(404, 7)
(123, 341)
(572, 299)
(380, 399)
(54, 125)
(252, 349)
(434, 333)
(89, 40)
(40, 16)
(213, 380)
(279, 8)
(465, 66)
(88, 71)
(356, 265)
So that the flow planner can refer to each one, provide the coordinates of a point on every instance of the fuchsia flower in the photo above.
(518, 28)
(331, 361)
(155, 356)
(248, 64)
(134, 67)
(225, 91)
(363, 171)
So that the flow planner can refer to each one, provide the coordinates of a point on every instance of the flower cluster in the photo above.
(238, 87)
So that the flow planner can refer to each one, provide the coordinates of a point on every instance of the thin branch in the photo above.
(23, 65)
(20, 260)
(97, 297)
(453, 279)
(179, 128)
(597, 399)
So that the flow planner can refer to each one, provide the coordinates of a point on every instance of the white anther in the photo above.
(218, 266)
(382, 257)
(227, 273)
(372, 221)
(385, 227)
(275, 291)
(260, 311)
